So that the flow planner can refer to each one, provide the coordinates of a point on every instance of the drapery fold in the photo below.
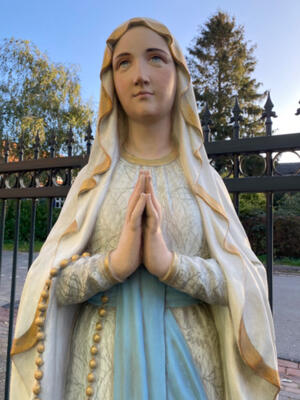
(151, 360)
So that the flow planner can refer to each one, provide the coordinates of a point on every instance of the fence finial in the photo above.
(52, 143)
(36, 146)
(206, 123)
(20, 147)
(88, 138)
(268, 114)
(6, 149)
(70, 140)
(237, 118)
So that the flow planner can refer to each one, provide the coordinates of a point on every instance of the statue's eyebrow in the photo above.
(121, 55)
(156, 49)
(147, 51)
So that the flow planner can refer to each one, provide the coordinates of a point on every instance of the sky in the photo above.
(74, 32)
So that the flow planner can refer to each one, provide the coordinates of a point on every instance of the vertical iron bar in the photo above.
(50, 214)
(2, 231)
(267, 115)
(236, 119)
(12, 298)
(50, 200)
(270, 226)
(236, 175)
(3, 209)
(69, 142)
(269, 213)
(33, 205)
(206, 123)
(32, 231)
(88, 138)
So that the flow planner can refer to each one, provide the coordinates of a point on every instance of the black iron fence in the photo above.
(251, 165)
(247, 165)
(39, 178)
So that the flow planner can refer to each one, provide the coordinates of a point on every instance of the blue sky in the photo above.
(74, 32)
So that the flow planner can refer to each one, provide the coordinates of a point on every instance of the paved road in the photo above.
(287, 315)
(6, 270)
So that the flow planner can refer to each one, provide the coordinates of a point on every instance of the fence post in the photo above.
(267, 115)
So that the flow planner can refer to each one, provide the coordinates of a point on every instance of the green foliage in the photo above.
(41, 226)
(286, 223)
(255, 227)
(288, 205)
(252, 203)
(286, 234)
(38, 96)
(221, 65)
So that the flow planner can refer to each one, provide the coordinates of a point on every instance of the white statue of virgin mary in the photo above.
(146, 287)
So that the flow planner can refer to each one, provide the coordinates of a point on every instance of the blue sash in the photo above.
(151, 360)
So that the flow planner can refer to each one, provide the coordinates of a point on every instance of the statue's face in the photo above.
(144, 75)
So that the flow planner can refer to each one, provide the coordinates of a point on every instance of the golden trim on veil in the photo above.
(254, 359)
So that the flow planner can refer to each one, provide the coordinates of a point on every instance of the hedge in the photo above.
(41, 226)
(286, 234)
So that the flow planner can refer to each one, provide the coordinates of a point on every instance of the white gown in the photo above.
(194, 273)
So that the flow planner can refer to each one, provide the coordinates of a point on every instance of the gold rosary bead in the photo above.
(40, 321)
(64, 263)
(85, 254)
(42, 307)
(53, 272)
(102, 312)
(48, 283)
(40, 336)
(40, 348)
(94, 350)
(93, 363)
(98, 326)
(96, 338)
(104, 299)
(39, 361)
(75, 257)
(45, 294)
(89, 391)
(36, 388)
(38, 374)
(91, 377)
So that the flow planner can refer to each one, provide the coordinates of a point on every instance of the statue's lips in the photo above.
(142, 94)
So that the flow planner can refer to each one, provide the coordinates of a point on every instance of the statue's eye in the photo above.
(156, 59)
(123, 64)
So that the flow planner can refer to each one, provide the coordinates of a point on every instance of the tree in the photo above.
(38, 97)
(221, 65)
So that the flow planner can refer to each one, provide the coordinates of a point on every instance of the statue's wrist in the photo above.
(110, 270)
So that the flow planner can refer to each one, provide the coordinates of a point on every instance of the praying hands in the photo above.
(141, 239)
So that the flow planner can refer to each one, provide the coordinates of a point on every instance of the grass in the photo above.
(23, 246)
(294, 262)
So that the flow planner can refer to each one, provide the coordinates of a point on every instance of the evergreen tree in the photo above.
(221, 65)
(38, 96)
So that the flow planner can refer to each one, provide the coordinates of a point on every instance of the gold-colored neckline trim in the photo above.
(152, 162)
